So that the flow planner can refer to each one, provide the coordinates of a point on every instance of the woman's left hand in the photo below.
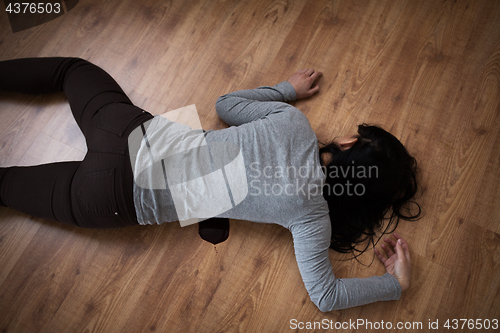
(396, 260)
(304, 81)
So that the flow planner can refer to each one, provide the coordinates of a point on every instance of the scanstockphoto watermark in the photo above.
(276, 180)
(430, 325)
(358, 324)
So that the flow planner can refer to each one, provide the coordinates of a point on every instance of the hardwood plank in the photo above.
(475, 277)
(16, 233)
(39, 282)
(21, 120)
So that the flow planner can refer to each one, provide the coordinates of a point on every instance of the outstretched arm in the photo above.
(244, 106)
(326, 290)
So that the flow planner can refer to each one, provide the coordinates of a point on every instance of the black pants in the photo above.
(98, 191)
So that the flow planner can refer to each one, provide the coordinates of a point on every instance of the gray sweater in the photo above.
(278, 151)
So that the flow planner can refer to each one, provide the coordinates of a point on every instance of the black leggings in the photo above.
(98, 191)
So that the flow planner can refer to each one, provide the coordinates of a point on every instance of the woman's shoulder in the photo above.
(315, 223)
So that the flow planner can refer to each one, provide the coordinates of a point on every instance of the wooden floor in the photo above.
(427, 70)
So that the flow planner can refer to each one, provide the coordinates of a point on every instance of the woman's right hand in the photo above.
(396, 259)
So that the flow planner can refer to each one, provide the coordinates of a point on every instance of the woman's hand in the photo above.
(304, 81)
(396, 259)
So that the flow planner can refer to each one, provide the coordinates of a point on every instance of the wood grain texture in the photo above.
(428, 71)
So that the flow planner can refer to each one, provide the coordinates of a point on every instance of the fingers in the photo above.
(397, 236)
(313, 79)
(404, 246)
(313, 76)
(380, 256)
(390, 241)
(310, 72)
(395, 251)
(316, 75)
(399, 251)
(390, 247)
(388, 250)
(314, 90)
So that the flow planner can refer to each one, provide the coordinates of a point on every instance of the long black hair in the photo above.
(371, 182)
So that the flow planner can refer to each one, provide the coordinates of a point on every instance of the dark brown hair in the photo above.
(381, 177)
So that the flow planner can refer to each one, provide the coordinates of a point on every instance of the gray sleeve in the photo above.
(325, 290)
(244, 106)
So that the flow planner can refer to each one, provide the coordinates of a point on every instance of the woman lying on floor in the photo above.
(267, 167)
